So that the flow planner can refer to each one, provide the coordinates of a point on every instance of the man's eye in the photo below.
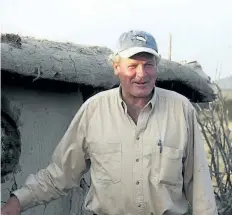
(132, 66)
(149, 64)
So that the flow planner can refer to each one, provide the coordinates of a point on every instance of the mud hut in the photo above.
(43, 85)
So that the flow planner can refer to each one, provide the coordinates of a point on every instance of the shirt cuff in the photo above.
(25, 197)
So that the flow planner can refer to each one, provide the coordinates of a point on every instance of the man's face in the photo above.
(137, 74)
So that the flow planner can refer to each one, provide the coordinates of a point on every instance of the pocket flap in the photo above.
(172, 153)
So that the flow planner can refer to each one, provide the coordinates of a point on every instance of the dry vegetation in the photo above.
(214, 122)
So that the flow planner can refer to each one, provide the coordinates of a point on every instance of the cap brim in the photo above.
(135, 50)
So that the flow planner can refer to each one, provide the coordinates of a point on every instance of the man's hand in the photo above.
(12, 207)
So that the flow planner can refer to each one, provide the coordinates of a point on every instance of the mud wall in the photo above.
(42, 119)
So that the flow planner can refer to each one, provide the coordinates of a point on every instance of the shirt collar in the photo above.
(122, 103)
(151, 103)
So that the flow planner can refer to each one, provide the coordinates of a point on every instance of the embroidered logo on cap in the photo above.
(140, 38)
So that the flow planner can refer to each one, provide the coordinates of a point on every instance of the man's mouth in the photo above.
(141, 83)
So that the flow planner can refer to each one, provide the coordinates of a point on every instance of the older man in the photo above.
(145, 152)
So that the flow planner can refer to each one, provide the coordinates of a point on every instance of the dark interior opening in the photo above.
(10, 144)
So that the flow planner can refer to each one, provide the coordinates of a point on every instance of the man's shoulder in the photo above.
(101, 98)
(172, 96)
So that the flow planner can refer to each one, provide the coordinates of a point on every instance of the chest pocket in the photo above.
(167, 165)
(106, 159)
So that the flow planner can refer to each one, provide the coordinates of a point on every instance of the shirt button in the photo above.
(139, 205)
(137, 182)
(137, 138)
(137, 159)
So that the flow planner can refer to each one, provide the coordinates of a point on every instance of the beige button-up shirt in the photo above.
(154, 167)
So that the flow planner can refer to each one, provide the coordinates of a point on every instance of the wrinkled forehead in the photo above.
(143, 56)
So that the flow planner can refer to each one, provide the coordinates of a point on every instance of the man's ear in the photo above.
(116, 67)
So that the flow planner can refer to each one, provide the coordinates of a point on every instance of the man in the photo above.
(141, 143)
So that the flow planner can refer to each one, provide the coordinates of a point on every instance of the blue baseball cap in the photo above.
(134, 42)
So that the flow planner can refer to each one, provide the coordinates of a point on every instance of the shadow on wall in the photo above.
(10, 141)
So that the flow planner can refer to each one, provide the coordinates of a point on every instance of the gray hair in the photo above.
(114, 58)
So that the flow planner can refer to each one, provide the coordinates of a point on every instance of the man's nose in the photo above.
(140, 72)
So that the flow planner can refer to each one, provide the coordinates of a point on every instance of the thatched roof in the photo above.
(89, 65)
(196, 66)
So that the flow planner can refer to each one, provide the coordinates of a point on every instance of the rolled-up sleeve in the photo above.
(69, 163)
(197, 181)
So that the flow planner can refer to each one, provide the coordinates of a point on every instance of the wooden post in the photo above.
(170, 47)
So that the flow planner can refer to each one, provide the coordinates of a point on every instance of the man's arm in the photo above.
(197, 181)
(69, 163)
